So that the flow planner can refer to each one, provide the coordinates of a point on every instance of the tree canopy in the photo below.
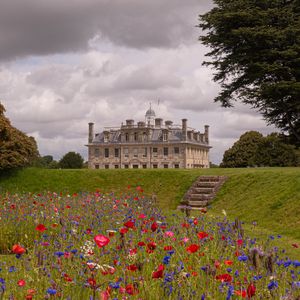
(255, 50)
(253, 149)
(71, 160)
(16, 148)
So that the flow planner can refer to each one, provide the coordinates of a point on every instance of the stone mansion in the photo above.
(148, 144)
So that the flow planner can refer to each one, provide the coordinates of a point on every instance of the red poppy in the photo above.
(185, 225)
(242, 293)
(129, 224)
(91, 282)
(132, 268)
(168, 248)
(101, 240)
(154, 226)
(131, 290)
(123, 230)
(141, 244)
(21, 282)
(17, 249)
(224, 277)
(159, 273)
(151, 246)
(251, 290)
(67, 278)
(239, 242)
(40, 228)
(195, 221)
(192, 248)
(228, 262)
(201, 235)
(295, 245)
(142, 216)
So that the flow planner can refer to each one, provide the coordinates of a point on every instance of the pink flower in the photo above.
(169, 233)
(185, 239)
(21, 282)
(101, 240)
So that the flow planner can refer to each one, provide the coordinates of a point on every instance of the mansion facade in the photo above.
(148, 144)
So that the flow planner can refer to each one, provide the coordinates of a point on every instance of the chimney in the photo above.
(206, 134)
(130, 123)
(184, 129)
(91, 132)
(158, 122)
(168, 123)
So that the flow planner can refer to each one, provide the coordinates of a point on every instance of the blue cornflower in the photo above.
(51, 291)
(74, 251)
(255, 278)
(243, 257)
(236, 273)
(115, 285)
(271, 237)
(166, 260)
(12, 269)
(272, 285)
(2, 280)
(296, 263)
(230, 292)
(59, 253)
(229, 270)
(203, 297)
(287, 263)
(296, 284)
(171, 252)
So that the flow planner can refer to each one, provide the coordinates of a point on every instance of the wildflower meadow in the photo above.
(106, 246)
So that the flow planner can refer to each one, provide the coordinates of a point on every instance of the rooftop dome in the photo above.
(150, 113)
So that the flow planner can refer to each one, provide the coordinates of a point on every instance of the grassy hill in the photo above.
(268, 196)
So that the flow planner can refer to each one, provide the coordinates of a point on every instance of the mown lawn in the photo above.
(270, 197)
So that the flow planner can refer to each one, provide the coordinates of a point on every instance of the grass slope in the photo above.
(269, 196)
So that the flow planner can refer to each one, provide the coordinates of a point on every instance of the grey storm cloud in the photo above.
(30, 27)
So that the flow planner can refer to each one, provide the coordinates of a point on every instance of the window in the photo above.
(116, 152)
(144, 136)
(154, 166)
(144, 166)
(166, 151)
(176, 166)
(154, 150)
(106, 166)
(106, 152)
(166, 166)
(176, 150)
(126, 137)
(97, 152)
(126, 166)
(145, 152)
(116, 166)
(97, 166)
(135, 166)
(135, 136)
(165, 136)
(106, 137)
(135, 152)
(126, 153)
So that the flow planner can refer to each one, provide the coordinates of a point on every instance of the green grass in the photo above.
(268, 196)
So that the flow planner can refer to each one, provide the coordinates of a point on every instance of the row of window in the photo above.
(135, 166)
(135, 152)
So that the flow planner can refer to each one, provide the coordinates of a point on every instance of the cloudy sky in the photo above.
(66, 63)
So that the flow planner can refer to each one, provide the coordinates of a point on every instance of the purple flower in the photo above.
(272, 285)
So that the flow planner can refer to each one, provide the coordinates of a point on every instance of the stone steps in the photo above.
(201, 193)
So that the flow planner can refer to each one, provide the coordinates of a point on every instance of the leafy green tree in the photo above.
(274, 152)
(242, 153)
(16, 148)
(255, 50)
(71, 160)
